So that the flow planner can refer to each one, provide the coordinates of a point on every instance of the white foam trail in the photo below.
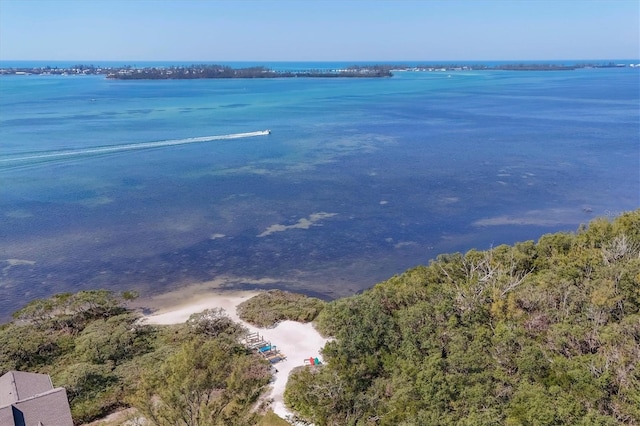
(134, 146)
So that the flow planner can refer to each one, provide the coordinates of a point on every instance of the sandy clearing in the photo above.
(296, 340)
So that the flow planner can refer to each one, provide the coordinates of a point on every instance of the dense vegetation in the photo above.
(544, 333)
(192, 374)
(273, 306)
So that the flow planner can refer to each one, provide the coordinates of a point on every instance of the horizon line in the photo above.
(319, 60)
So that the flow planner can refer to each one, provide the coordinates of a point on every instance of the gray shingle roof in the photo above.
(29, 399)
(17, 385)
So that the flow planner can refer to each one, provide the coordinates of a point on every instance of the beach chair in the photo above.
(267, 348)
(252, 338)
(259, 344)
(249, 341)
(312, 361)
(275, 357)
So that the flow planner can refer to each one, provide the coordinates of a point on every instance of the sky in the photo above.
(318, 30)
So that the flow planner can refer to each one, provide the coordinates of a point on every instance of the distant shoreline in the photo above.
(214, 71)
(202, 71)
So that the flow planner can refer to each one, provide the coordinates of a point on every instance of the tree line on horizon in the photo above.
(199, 71)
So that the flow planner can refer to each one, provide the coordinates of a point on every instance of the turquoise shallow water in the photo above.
(359, 179)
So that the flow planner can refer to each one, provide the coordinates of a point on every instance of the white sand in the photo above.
(295, 340)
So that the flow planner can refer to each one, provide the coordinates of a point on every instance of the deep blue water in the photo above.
(365, 177)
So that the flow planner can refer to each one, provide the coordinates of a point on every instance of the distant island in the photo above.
(192, 72)
(200, 71)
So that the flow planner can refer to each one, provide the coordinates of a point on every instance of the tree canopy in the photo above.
(270, 307)
(193, 374)
(538, 333)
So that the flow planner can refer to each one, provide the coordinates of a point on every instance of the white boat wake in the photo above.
(128, 147)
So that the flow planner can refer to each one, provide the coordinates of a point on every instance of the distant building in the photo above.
(29, 399)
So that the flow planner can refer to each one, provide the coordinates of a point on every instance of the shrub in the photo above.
(270, 307)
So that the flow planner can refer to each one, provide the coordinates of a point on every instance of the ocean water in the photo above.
(359, 179)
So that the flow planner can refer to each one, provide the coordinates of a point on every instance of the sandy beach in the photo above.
(295, 340)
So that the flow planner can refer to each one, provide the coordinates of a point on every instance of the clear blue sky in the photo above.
(315, 30)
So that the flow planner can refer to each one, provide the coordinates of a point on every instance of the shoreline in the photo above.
(151, 303)
(366, 70)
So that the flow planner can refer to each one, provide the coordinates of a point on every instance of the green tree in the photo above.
(216, 323)
(115, 339)
(534, 334)
(203, 384)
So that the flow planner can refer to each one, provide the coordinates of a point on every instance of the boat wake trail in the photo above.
(52, 155)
